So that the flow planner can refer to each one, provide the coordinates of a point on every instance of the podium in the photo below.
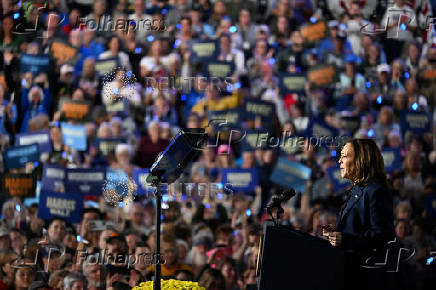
(290, 259)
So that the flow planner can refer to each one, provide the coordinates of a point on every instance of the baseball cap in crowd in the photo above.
(66, 68)
(224, 149)
(384, 67)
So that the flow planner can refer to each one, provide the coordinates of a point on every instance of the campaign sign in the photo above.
(88, 181)
(202, 50)
(430, 205)
(120, 108)
(314, 32)
(218, 69)
(62, 51)
(140, 178)
(19, 184)
(292, 83)
(74, 136)
(255, 139)
(290, 174)
(291, 144)
(34, 63)
(240, 179)
(322, 76)
(18, 156)
(107, 145)
(319, 129)
(417, 122)
(253, 108)
(42, 138)
(222, 119)
(104, 66)
(392, 159)
(53, 178)
(334, 175)
(75, 110)
(63, 205)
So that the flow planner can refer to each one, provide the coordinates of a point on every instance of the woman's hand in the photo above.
(335, 238)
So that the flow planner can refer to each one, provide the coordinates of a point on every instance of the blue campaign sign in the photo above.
(253, 108)
(392, 159)
(107, 145)
(57, 204)
(256, 139)
(218, 69)
(292, 83)
(290, 174)
(417, 122)
(42, 138)
(89, 181)
(140, 178)
(34, 63)
(18, 156)
(74, 136)
(319, 129)
(204, 50)
(117, 180)
(240, 179)
(53, 178)
(334, 175)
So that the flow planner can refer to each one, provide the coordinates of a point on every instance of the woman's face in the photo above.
(99, 7)
(23, 277)
(282, 24)
(413, 52)
(156, 48)
(228, 272)
(346, 161)
(220, 7)
(385, 118)
(8, 23)
(261, 48)
(401, 230)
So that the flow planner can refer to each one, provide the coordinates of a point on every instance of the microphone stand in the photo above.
(279, 212)
(157, 266)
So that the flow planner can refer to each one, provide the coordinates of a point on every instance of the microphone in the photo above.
(283, 197)
(276, 202)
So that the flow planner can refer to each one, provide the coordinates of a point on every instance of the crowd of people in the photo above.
(384, 59)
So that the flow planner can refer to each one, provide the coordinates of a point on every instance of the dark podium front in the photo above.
(295, 260)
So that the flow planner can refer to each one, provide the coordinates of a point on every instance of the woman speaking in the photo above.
(366, 219)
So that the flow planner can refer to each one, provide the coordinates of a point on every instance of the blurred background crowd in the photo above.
(384, 61)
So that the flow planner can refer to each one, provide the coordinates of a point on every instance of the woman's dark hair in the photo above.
(211, 279)
(368, 162)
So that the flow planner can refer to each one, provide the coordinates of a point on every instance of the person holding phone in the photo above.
(366, 219)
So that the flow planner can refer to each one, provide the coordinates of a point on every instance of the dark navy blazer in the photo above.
(366, 221)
